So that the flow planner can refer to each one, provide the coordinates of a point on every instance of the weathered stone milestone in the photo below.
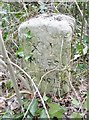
(49, 47)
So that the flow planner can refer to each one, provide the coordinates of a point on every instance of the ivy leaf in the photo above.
(45, 98)
(18, 116)
(56, 110)
(53, 108)
(81, 66)
(29, 116)
(43, 114)
(86, 40)
(8, 114)
(59, 114)
(76, 115)
(75, 102)
(34, 107)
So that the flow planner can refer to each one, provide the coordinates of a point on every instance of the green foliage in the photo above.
(45, 98)
(25, 103)
(79, 48)
(10, 22)
(82, 49)
(20, 53)
(55, 110)
(8, 114)
(28, 35)
(76, 116)
(5, 36)
(81, 66)
(9, 84)
(33, 107)
(43, 114)
(18, 116)
(75, 102)
(80, 52)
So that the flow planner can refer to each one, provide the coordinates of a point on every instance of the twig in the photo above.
(3, 63)
(21, 92)
(34, 87)
(80, 10)
(18, 76)
(1, 56)
(60, 59)
(83, 17)
(47, 74)
(25, 82)
(10, 68)
(52, 70)
(70, 83)
(24, 5)
(39, 85)
(28, 109)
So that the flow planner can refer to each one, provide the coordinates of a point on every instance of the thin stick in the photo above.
(10, 68)
(21, 92)
(34, 87)
(24, 82)
(47, 74)
(70, 83)
(24, 5)
(25, 114)
(18, 76)
(55, 69)
(80, 10)
(82, 23)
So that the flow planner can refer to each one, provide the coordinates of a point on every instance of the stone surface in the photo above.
(49, 48)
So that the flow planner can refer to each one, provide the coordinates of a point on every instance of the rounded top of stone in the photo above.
(47, 19)
(60, 22)
(58, 17)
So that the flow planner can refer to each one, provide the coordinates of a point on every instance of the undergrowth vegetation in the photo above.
(34, 104)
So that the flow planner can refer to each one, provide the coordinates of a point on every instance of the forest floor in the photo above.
(8, 101)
